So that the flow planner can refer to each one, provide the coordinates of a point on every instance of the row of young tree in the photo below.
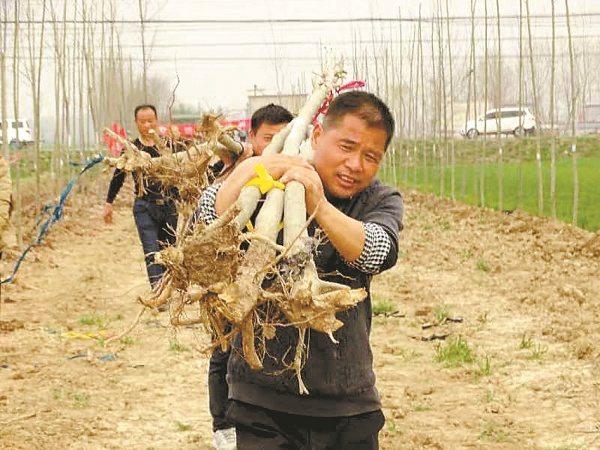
(448, 70)
(435, 72)
(75, 47)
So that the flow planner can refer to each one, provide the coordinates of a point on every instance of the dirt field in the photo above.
(522, 293)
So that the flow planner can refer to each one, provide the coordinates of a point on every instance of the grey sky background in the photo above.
(219, 63)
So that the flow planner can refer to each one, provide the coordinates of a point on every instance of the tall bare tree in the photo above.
(552, 136)
(17, 115)
(33, 70)
(412, 105)
(520, 103)
(538, 153)
(3, 57)
(142, 9)
(499, 104)
(444, 97)
(486, 76)
(573, 118)
(423, 115)
(451, 83)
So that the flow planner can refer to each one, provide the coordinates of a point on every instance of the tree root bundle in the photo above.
(184, 169)
(210, 281)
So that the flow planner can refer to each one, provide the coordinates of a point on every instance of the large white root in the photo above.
(268, 285)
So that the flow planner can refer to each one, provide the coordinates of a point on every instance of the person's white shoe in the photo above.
(225, 439)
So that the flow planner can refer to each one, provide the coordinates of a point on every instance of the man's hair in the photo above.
(271, 113)
(145, 106)
(366, 106)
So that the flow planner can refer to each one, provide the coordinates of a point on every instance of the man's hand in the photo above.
(247, 151)
(347, 235)
(276, 165)
(308, 176)
(229, 159)
(107, 214)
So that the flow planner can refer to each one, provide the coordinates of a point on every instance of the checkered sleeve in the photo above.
(376, 248)
(206, 205)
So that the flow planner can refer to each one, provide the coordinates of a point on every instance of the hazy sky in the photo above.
(220, 63)
(221, 50)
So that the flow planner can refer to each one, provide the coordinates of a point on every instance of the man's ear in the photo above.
(251, 136)
(317, 132)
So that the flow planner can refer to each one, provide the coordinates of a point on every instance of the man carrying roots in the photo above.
(361, 220)
(265, 123)
(154, 210)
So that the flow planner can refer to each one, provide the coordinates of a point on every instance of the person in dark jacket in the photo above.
(155, 211)
(361, 219)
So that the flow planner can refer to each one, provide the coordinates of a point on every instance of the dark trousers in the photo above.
(218, 390)
(263, 429)
(156, 225)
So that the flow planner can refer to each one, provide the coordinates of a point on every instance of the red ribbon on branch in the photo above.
(114, 147)
(355, 84)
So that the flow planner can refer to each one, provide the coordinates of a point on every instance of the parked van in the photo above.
(510, 120)
(18, 131)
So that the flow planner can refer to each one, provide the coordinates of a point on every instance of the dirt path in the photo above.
(522, 293)
(61, 391)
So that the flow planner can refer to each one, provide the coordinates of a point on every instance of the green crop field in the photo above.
(519, 175)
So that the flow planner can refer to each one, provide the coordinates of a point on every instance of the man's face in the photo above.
(347, 156)
(145, 120)
(263, 136)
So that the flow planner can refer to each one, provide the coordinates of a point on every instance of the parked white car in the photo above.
(510, 120)
(17, 131)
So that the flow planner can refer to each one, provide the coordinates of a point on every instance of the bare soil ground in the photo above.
(521, 292)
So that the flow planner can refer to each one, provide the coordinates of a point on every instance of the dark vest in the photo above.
(340, 376)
